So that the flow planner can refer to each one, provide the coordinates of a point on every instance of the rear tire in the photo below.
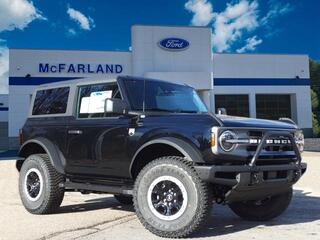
(39, 185)
(124, 199)
(263, 210)
(170, 199)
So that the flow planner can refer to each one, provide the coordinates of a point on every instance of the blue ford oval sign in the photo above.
(174, 44)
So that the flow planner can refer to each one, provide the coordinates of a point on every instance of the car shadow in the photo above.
(95, 204)
(303, 208)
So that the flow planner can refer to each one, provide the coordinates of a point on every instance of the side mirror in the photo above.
(115, 105)
(222, 111)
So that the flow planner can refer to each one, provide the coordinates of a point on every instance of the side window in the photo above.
(51, 101)
(91, 100)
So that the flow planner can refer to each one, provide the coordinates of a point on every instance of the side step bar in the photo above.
(97, 188)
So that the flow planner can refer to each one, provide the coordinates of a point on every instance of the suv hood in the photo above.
(232, 121)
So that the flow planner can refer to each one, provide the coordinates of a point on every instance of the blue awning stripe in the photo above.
(38, 80)
(216, 81)
(261, 82)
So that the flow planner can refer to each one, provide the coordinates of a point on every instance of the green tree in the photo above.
(315, 125)
(314, 100)
(315, 75)
(315, 95)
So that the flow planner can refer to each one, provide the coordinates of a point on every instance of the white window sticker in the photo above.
(84, 106)
(95, 103)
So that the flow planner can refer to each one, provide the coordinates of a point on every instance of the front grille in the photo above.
(278, 148)
(257, 134)
(275, 175)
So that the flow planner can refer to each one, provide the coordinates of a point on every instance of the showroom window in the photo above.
(236, 105)
(273, 106)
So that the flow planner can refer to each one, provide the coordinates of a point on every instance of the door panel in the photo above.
(98, 146)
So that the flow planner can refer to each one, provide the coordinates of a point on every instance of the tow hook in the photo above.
(255, 178)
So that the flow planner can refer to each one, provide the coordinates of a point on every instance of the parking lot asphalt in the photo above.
(102, 217)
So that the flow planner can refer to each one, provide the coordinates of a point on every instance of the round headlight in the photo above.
(225, 141)
(299, 139)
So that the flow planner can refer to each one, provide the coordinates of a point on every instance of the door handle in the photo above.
(75, 132)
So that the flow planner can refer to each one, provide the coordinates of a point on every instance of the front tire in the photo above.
(39, 185)
(170, 199)
(263, 210)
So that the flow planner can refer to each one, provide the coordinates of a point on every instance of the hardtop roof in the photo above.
(86, 81)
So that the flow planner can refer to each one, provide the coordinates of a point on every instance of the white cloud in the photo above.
(14, 14)
(86, 23)
(236, 19)
(251, 44)
(17, 14)
(71, 32)
(276, 9)
(202, 10)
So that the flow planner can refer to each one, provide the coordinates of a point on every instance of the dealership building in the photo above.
(252, 85)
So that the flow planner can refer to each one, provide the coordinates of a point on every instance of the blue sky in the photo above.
(258, 26)
(292, 28)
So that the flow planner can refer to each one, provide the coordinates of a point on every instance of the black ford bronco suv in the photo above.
(154, 144)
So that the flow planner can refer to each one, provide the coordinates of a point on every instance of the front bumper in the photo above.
(252, 182)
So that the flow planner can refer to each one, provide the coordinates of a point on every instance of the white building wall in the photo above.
(259, 67)
(23, 61)
(19, 102)
(192, 65)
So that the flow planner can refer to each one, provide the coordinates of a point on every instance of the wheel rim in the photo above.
(167, 198)
(33, 184)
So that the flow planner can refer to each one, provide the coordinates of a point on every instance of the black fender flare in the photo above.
(57, 159)
(186, 149)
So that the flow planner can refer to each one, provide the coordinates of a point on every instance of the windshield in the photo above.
(163, 96)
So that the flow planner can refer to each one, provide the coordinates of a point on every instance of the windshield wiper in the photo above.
(172, 110)
(158, 110)
(185, 111)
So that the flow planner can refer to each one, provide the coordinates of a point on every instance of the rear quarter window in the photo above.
(51, 101)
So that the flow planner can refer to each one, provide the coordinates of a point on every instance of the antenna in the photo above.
(144, 95)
